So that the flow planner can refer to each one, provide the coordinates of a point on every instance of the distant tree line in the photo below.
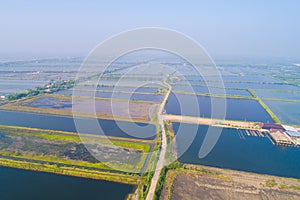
(48, 88)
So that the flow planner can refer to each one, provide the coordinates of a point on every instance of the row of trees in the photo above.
(48, 88)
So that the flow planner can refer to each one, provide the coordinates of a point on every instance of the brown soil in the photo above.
(213, 183)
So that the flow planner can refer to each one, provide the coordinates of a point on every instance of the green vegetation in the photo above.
(71, 171)
(271, 183)
(151, 163)
(170, 157)
(55, 164)
(175, 165)
(161, 91)
(273, 116)
(49, 88)
(34, 149)
(55, 159)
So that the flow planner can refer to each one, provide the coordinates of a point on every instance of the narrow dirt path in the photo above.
(161, 160)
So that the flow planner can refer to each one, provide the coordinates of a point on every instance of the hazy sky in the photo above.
(225, 28)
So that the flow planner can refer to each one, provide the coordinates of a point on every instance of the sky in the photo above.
(269, 28)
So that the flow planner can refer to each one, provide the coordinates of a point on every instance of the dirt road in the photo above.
(161, 160)
(211, 122)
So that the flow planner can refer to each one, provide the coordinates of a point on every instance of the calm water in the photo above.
(125, 89)
(261, 86)
(128, 89)
(287, 112)
(245, 78)
(253, 154)
(237, 109)
(203, 89)
(64, 123)
(291, 95)
(18, 184)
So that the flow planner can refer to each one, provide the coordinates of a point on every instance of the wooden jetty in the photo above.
(280, 138)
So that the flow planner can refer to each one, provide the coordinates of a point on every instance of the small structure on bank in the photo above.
(4, 96)
(282, 134)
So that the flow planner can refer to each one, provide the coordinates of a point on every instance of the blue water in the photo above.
(226, 78)
(16, 184)
(287, 112)
(252, 154)
(64, 123)
(291, 95)
(262, 86)
(205, 90)
(237, 109)
(245, 85)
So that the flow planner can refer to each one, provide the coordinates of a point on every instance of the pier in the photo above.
(251, 133)
(277, 133)
(280, 138)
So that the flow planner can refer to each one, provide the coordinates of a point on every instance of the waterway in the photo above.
(18, 184)
(236, 109)
(65, 123)
(252, 154)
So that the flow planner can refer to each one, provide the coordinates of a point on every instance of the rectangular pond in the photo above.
(120, 88)
(139, 110)
(288, 95)
(236, 78)
(115, 95)
(246, 85)
(261, 86)
(252, 154)
(237, 109)
(65, 123)
(16, 184)
(287, 112)
(206, 90)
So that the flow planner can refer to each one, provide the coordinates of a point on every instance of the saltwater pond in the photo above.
(287, 95)
(65, 123)
(266, 86)
(18, 184)
(235, 78)
(287, 112)
(119, 89)
(205, 90)
(249, 153)
(237, 109)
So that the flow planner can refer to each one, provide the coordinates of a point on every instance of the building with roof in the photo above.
(293, 134)
(269, 126)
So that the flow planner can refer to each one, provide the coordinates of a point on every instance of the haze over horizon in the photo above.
(224, 29)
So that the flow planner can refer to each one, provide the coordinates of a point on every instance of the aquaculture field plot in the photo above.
(287, 112)
(261, 86)
(236, 109)
(278, 94)
(69, 149)
(206, 90)
(252, 154)
(115, 95)
(236, 78)
(65, 187)
(65, 123)
(63, 105)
